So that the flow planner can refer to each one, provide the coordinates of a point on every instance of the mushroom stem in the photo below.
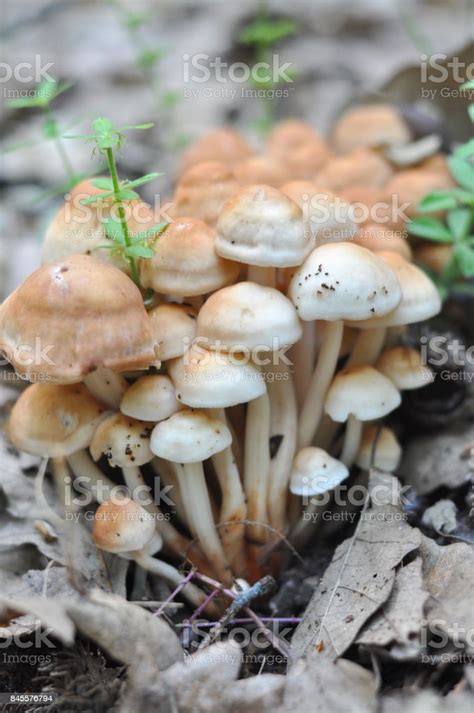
(307, 523)
(265, 276)
(233, 507)
(352, 439)
(284, 426)
(199, 511)
(326, 365)
(91, 477)
(368, 346)
(107, 386)
(61, 478)
(257, 465)
(302, 355)
(166, 471)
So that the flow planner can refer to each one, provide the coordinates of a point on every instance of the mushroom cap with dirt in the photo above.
(123, 440)
(122, 525)
(372, 126)
(225, 145)
(379, 448)
(315, 472)
(53, 420)
(185, 262)
(83, 314)
(203, 189)
(173, 327)
(361, 167)
(404, 366)
(248, 315)
(261, 226)
(150, 398)
(212, 379)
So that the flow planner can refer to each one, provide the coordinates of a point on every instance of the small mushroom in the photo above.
(203, 189)
(379, 448)
(371, 126)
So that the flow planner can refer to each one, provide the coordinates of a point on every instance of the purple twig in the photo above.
(175, 592)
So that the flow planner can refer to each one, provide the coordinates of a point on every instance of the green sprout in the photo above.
(46, 93)
(262, 35)
(458, 227)
(107, 138)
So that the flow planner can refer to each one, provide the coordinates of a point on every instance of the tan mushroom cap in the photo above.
(260, 169)
(122, 526)
(78, 229)
(203, 189)
(190, 437)
(124, 441)
(377, 238)
(299, 147)
(185, 262)
(315, 472)
(83, 313)
(434, 256)
(385, 455)
(248, 315)
(361, 167)
(343, 281)
(260, 225)
(404, 366)
(53, 420)
(225, 145)
(363, 392)
(420, 298)
(414, 184)
(150, 398)
(174, 328)
(369, 126)
(211, 379)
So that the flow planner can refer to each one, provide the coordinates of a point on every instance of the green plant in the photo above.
(43, 97)
(107, 139)
(262, 35)
(458, 227)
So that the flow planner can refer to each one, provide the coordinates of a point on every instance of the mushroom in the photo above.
(413, 184)
(174, 328)
(404, 366)
(434, 256)
(260, 169)
(203, 189)
(379, 448)
(123, 527)
(190, 437)
(361, 167)
(261, 227)
(359, 394)
(376, 237)
(371, 126)
(224, 145)
(185, 262)
(84, 315)
(299, 147)
(338, 282)
(256, 320)
(150, 398)
(314, 474)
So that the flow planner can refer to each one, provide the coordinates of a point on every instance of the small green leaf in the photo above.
(470, 110)
(149, 57)
(430, 228)
(464, 197)
(137, 126)
(104, 184)
(51, 128)
(141, 181)
(267, 32)
(139, 251)
(151, 232)
(464, 253)
(462, 171)
(468, 85)
(96, 200)
(126, 194)
(459, 222)
(437, 200)
(114, 230)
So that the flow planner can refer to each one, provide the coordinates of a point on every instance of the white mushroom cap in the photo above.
(250, 316)
(123, 440)
(363, 392)
(150, 398)
(212, 379)
(173, 327)
(315, 472)
(420, 298)
(344, 281)
(386, 454)
(404, 366)
(122, 526)
(260, 225)
(190, 437)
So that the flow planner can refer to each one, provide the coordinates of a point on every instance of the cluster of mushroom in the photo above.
(269, 327)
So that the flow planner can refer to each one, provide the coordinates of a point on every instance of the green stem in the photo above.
(121, 213)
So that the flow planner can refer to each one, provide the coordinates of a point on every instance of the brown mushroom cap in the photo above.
(369, 126)
(83, 314)
(361, 167)
(203, 189)
(302, 150)
(260, 169)
(377, 237)
(405, 367)
(224, 145)
(173, 327)
(53, 420)
(380, 449)
(414, 184)
(122, 526)
(185, 262)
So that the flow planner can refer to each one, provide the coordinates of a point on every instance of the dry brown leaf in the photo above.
(360, 577)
